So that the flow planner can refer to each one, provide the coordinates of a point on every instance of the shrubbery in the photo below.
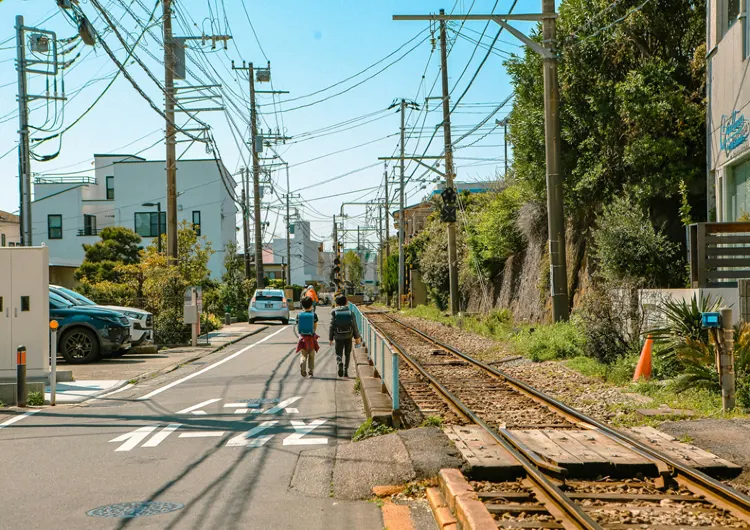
(563, 340)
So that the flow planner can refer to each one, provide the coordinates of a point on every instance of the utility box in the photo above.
(24, 310)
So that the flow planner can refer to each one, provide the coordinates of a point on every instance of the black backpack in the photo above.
(342, 321)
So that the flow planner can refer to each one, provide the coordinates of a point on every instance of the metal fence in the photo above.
(380, 354)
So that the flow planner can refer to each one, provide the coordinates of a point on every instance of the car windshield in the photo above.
(275, 296)
(59, 301)
(76, 298)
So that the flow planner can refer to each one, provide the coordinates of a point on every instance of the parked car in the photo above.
(85, 333)
(268, 304)
(141, 322)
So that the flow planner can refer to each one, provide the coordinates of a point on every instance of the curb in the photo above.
(396, 517)
(175, 366)
(456, 503)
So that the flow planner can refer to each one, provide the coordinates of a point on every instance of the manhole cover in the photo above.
(129, 510)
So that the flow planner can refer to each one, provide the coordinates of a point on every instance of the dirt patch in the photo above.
(729, 439)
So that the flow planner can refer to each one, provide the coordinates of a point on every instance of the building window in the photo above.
(89, 225)
(733, 11)
(197, 223)
(54, 226)
(147, 223)
(110, 188)
(2, 240)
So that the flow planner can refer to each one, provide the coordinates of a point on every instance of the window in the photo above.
(12, 244)
(110, 188)
(147, 223)
(89, 225)
(2, 240)
(197, 223)
(54, 226)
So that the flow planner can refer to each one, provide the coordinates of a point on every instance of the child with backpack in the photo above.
(342, 330)
(307, 325)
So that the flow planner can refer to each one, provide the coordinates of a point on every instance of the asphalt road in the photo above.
(212, 445)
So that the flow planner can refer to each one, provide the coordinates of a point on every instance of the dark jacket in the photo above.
(332, 335)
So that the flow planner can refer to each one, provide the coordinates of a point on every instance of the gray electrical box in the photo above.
(39, 43)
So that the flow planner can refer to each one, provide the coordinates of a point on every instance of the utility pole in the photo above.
(288, 228)
(504, 123)
(387, 225)
(24, 159)
(452, 254)
(259, 276)
(401, 220)
(245, 228)
(382, 239)
(171, 131)
(556, 215)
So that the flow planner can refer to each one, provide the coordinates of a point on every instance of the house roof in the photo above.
(7, 217)
(424, 204)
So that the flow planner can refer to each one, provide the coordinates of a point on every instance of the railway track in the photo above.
(664, 495)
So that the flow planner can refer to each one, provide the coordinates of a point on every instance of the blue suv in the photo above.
(86, 333)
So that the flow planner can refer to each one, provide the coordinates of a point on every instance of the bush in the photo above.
(628, 248)
(611, 322)
(35, 399)
(563, 340)
(210, 322)
(170, 328)
(369, 429)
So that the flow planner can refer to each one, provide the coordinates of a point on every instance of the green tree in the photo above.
(117, 246)
(235, 289)
(632, 105)
(352, 268)
(390, 275)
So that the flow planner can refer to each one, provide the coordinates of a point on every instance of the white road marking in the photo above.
(281, 406)
(210, 366)
(199, 412)
(240, 405)
(246, 438)
(302, 430)
(241, 411)
(198, 406)
(202, 434)
(116, 391)
(133, 438)
(15, 419)
(160, 436)
(292, 410)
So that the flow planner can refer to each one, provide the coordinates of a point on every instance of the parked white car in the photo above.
(141, 322)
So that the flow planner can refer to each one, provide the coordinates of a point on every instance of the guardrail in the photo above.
(380, 354)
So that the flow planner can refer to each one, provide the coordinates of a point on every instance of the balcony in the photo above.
(89, 232)
(64, 180)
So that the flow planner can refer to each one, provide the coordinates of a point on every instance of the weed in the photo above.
(132, 381)
(36, 399)
(686, 439)
(563, 340)
(377, 501)
(432, 421)
(357, 386)
(2, 404)
(370, 429)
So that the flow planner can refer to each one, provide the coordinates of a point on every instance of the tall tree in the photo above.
(353, 270)
(117, 246)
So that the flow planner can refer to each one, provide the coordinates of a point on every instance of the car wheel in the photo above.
(285, 321)
(79, 346)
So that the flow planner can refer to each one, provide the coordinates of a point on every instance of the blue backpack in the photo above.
(306, 323)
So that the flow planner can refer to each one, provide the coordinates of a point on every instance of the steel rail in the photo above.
(696, 481)
(570, 514)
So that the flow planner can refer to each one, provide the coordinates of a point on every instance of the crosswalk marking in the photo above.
(198, 406)
(240, 405)
(241, 411)
(160, 436)
(281, 406)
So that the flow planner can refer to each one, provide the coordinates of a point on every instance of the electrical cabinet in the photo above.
(24, 310)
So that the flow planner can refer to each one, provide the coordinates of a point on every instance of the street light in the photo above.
(158, 221)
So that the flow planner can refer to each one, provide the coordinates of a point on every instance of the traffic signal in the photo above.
(337, 261)
(449, 195)
(448, 213)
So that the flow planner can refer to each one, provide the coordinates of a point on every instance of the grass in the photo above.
(133, 381)
(35, 399)
(432, 421)
(370, 429)
(2, 405)
(357, 386)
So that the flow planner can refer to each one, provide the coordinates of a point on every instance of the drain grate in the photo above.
(130, 510)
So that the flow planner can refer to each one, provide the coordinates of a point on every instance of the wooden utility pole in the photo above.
(171, 158)
(245, 215)
(452, 253)
(556, 215)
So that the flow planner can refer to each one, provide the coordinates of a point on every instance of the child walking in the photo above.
(307, 325)
(342, 330)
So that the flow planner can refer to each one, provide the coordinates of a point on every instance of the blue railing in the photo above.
(379, 352)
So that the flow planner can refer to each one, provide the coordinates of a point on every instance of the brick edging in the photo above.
(462, 501)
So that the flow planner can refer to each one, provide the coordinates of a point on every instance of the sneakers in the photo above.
(341, 369)
(311, 374)
(302, 370)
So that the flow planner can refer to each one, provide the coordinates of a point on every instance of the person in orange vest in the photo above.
(310, 292)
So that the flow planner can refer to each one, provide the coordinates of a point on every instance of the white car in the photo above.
(141, 322)
(268, 304)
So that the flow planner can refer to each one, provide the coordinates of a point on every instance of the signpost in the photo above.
(192, 311)
(53, 325)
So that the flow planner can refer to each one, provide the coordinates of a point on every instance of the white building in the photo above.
(308, 261)
(69, 211)
(728, 90)
(10, 229)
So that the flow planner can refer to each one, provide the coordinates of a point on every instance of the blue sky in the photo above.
(311, 45)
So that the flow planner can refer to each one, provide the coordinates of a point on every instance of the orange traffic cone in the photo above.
(643, 369)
